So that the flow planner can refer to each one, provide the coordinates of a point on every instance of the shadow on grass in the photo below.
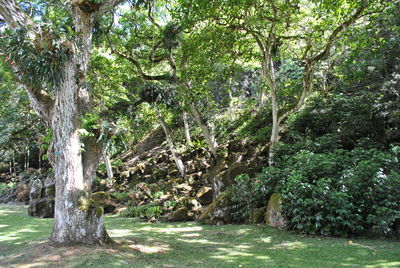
(186, 245)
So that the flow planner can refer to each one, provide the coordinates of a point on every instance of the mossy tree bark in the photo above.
(78, 219)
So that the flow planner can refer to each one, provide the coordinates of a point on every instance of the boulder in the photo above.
(120, 209)
(273, 216)
(50, 186)
(205, 195)
(8, 195)
(23, 193)
(104, 199)
(43, 208)
(42, 192)
(223, 175)
(190, 203)
(49, 181)
(258, 215)
(101, 197)
(218, 211)
(50, 191)
(181, 214)
(36, 189)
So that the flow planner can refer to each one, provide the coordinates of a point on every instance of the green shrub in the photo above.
(342, 193)
(249, 193)
(6, 186)
(255, 127)
(198, 144)
(120, 196)
(337, 192)
(147, 211)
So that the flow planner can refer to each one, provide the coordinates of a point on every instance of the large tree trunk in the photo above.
(78, 219)
(210, 139)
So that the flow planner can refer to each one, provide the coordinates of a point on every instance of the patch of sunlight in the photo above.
(201, 241)
(119, 232)
(263, 257)
(8, 213)
(225, 258)
(242, 231)
(158, 248)
(26, 230)
(173, 229)
(289, 245)
(242, 246)
(386, 264)
(363, 246)
(231, 252)
(191, 235)
(3, 225)
(16, 235)
(36, 264)
(265, 239)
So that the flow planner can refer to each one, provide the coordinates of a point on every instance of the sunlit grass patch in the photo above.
(23, 244)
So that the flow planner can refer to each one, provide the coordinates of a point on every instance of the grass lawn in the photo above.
(23, 244)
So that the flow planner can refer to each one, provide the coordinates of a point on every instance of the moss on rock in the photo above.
(181, 214)
(273, 216)
(99, 211)
(51, 191)
(100, 197)
(218, 211)
(258, 215)
(189, 202)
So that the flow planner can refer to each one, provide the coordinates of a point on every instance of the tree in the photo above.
(52, 66)
(302, 30)
(20, 128)
(163, 48)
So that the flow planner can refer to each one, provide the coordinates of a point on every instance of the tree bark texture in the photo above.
(78, 219)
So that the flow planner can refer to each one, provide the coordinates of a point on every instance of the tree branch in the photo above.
(15, 18)
(109, 5)
(308, 69)
(13, 15)
(150, 16)
(335, 33)
(138, 66)
(307, 88)
(41, 102)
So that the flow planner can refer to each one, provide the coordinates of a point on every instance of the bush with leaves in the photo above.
(4, 187)
(334, 192)
(146, 211)
(249, 193)
(342, 193)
